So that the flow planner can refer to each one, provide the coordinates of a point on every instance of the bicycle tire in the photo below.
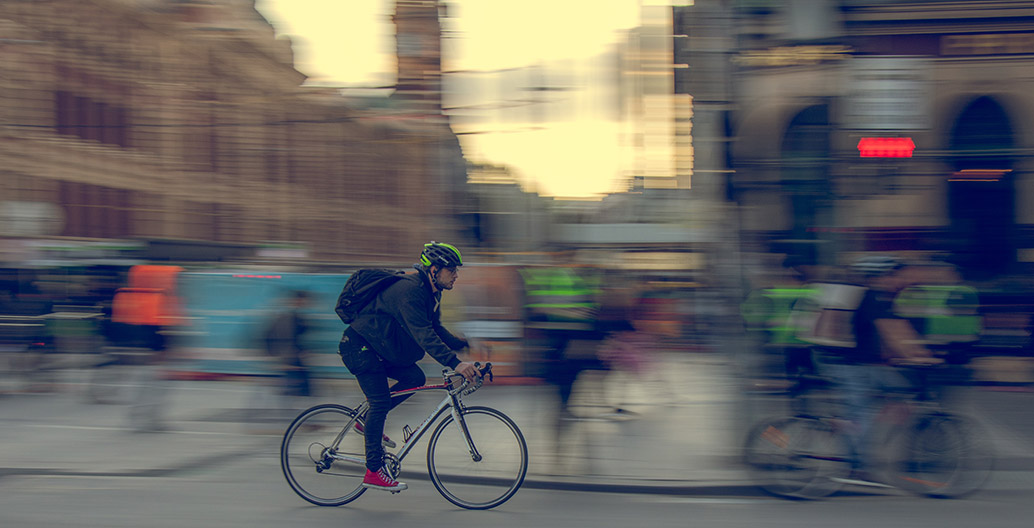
(485, 483)
(306, 462)
(945, 456)
(796, 457)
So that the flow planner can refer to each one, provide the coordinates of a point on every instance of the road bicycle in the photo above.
(477, 457)
(923, 448)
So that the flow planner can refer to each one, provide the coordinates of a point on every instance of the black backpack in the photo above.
(360, 288)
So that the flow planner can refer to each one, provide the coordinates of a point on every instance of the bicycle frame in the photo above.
(452, 401)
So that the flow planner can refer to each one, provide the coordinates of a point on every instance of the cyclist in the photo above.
(882, 339)
(387, 339)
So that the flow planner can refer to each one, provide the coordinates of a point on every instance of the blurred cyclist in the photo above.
(881, 339)
(387, 339)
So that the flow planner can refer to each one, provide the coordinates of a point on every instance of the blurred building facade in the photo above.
(656, 116)
(418, 41)
(805, 113)
(186, 121)
(505, 219)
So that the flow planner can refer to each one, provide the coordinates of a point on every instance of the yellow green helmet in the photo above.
(441, 255)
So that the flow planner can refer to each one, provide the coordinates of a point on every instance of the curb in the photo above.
(642, 487)
(660, 488)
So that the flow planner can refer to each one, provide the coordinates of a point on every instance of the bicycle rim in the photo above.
(305, 458)
(485, 483)
(799, 458)
(944, 456)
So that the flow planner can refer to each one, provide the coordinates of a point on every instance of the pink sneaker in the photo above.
(381, 480)
(387, 442)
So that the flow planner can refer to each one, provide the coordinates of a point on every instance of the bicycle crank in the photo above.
(393, 465)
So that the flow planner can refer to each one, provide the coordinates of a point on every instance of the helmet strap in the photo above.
(434, 271)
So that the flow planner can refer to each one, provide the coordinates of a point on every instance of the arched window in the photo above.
(982, 208)
(805, 167)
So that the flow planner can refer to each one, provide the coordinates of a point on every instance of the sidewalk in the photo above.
(679, 435)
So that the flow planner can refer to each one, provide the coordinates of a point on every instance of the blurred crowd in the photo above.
(85, 309)
(554, 322)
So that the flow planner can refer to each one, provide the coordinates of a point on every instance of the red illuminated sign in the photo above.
(886, 147)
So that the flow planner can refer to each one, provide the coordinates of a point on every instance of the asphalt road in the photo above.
(250, 492)
(70, 463)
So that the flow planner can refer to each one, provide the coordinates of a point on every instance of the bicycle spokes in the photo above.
(477, 456)
(321, 465)
(478, 461)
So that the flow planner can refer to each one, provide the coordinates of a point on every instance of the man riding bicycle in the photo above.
(882, 340)
(387, 339)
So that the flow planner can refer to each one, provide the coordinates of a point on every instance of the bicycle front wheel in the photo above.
(318, 468)
(799, 458)
(484, 472)
(944, 455)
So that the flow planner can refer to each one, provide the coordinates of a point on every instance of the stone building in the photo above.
(186, 121)
(797, 94)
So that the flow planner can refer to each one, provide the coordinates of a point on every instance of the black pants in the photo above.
(296, 380)
(564, 368)
(372, 373)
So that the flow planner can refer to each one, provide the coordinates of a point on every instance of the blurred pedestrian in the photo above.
(144, 316)
(626, 349)
(285, 345)
(561, 315)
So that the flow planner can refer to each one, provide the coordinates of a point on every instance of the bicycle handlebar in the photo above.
(467, 387)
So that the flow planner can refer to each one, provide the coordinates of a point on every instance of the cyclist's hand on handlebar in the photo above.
(467, 370)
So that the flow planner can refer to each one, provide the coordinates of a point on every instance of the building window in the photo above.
(92, 120)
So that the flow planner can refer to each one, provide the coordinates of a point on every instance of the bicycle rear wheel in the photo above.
(316, 469)
(484, 480)
(799, 458)
(944, 455)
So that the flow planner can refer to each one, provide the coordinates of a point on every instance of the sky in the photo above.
(564, 142)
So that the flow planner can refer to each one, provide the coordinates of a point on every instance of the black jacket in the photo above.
(404, 321)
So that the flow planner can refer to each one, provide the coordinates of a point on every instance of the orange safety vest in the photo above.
(150, 297)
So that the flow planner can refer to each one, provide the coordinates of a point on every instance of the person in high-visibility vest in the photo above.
(561, 313)
(768, 311)
(142, 314)
(945, 312)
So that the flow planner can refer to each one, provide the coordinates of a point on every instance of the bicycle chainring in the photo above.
(392, 464)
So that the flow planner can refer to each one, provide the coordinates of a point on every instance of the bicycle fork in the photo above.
(457, 415)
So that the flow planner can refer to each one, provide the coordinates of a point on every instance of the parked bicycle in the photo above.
(924, 448)
(477, 457)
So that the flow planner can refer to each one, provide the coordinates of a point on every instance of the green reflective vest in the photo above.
(945, 313)
(768, 310)
(565, 297)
